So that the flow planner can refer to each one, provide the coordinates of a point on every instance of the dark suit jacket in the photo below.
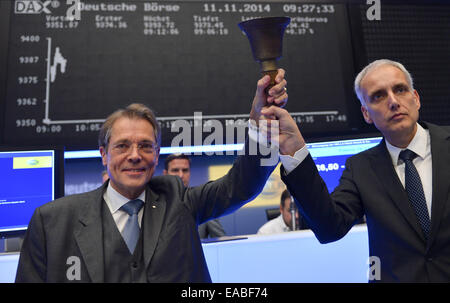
(369, 185)
(71, 226)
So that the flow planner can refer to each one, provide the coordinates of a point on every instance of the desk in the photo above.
(293, 257)
(8, 267)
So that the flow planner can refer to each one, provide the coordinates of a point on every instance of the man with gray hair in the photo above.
(401, 185)
(136, 227)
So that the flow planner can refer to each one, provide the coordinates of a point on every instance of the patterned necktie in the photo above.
(413, 186)
(131, 230)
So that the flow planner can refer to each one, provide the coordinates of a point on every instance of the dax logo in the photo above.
(32, 6)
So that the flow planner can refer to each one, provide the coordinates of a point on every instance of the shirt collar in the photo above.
(115, 200)
(418, 145)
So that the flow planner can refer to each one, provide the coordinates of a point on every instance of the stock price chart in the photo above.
(70, 65)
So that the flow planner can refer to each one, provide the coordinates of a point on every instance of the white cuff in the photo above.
(290, 163)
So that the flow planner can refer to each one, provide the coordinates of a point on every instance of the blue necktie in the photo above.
(413, 186)
(131, 230)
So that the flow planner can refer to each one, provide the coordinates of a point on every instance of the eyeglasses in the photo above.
(127, 147)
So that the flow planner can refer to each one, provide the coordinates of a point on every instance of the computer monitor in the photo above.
(330, 156)
(29, 179)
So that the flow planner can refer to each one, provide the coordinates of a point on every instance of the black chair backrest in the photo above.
(272, 213)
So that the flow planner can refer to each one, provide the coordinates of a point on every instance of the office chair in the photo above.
(272, 213)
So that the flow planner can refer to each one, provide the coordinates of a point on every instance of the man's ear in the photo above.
(366, 115)
(417, 99)
(164, 172)
(104, 156)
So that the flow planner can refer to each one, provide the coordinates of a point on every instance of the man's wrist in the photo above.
(291, 162)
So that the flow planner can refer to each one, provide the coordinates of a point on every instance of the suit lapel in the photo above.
(89, 235)
(381, 163)
(154, 212)
(440, 156)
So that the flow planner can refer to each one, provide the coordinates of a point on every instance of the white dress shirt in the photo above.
(115, 201)
(420, 144)
(274, 226)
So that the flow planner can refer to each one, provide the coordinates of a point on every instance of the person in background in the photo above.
(283, 222)
(180, 165)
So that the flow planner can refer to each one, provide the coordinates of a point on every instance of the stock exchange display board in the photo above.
(187, 60)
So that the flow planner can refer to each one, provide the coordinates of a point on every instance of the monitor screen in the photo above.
(29, 179)
(330, 156)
